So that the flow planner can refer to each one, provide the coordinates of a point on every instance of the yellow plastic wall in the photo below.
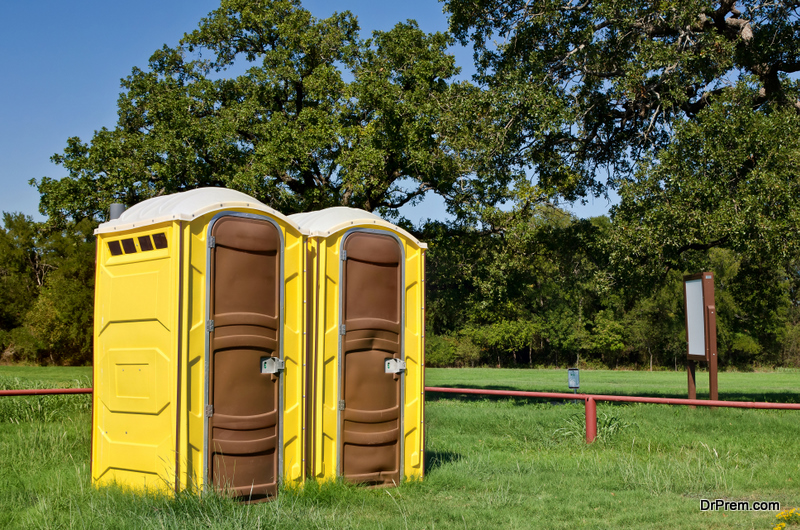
(326, 268)
(135, 379)
(414, 336)
(141, 319)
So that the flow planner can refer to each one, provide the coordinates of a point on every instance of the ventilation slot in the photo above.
(160, 240)
(145, 244)
(115, 248)
(129, 246)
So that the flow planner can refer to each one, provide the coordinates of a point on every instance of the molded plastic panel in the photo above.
(135, 383)
(325, 421)
(291, 331)
(370, 419)
(245, 309)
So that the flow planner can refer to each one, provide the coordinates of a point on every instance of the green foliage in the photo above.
(49, 303)
(439, 352)
(690, 110)
(62, 316)
(606, 339)
(790, 345)
(22, 270)
(655, 325)
(539, 288)
(450, 351)
(525, 286)
(687, 106)
(581, 87)
(320, 117)
(504, 338)
(728, 179)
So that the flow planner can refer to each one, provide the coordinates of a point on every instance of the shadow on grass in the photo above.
(436, 459)
(766, 397)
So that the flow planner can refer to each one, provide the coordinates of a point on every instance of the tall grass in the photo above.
(491, 463)
(48, 408)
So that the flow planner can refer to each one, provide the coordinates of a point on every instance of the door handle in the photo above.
(394, 366)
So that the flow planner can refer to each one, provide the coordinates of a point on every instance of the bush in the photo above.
(450, 352)
(467, 352)
(439, 352)
(790, 345)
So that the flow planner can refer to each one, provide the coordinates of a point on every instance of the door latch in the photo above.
(394, 366)
(272, 365)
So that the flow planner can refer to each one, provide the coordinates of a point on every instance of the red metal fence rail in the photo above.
(44, 391)
(590, 402)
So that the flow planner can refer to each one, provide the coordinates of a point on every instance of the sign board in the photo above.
(573, 378)
(701, 329)
(695, 320)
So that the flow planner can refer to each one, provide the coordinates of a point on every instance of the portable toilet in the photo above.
(199, 346)
(366, 353)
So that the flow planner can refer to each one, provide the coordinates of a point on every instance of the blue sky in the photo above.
(63, 62)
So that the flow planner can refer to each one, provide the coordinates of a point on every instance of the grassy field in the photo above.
(781, 386)
(491, 463)
(52, 376)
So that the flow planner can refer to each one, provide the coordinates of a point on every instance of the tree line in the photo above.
(541, 288)
(688, 110)
(46, 291)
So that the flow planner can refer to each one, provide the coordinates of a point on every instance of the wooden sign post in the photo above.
(701, 329)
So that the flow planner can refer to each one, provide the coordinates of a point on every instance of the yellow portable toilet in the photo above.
(199, 346)
(366, 353)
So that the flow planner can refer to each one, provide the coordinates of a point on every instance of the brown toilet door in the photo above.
(243, 408)
(370, 413)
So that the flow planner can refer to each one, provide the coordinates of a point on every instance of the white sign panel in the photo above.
(695, 315)
(573, 378)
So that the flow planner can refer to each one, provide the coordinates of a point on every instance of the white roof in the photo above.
(323, 223)
(184, 206)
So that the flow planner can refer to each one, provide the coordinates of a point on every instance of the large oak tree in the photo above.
(688, 107)
(314, 116)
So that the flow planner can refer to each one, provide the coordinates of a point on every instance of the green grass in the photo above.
(491, 463)
(18, 409)
(781, 386)
(55, 376)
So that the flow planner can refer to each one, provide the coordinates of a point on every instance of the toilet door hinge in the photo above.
(210, 326)
(342, 329)
(209, 411)
(344, 255)
(212, 242)
(341, 405)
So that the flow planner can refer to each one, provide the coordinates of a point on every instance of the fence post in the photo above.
(591, 420)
